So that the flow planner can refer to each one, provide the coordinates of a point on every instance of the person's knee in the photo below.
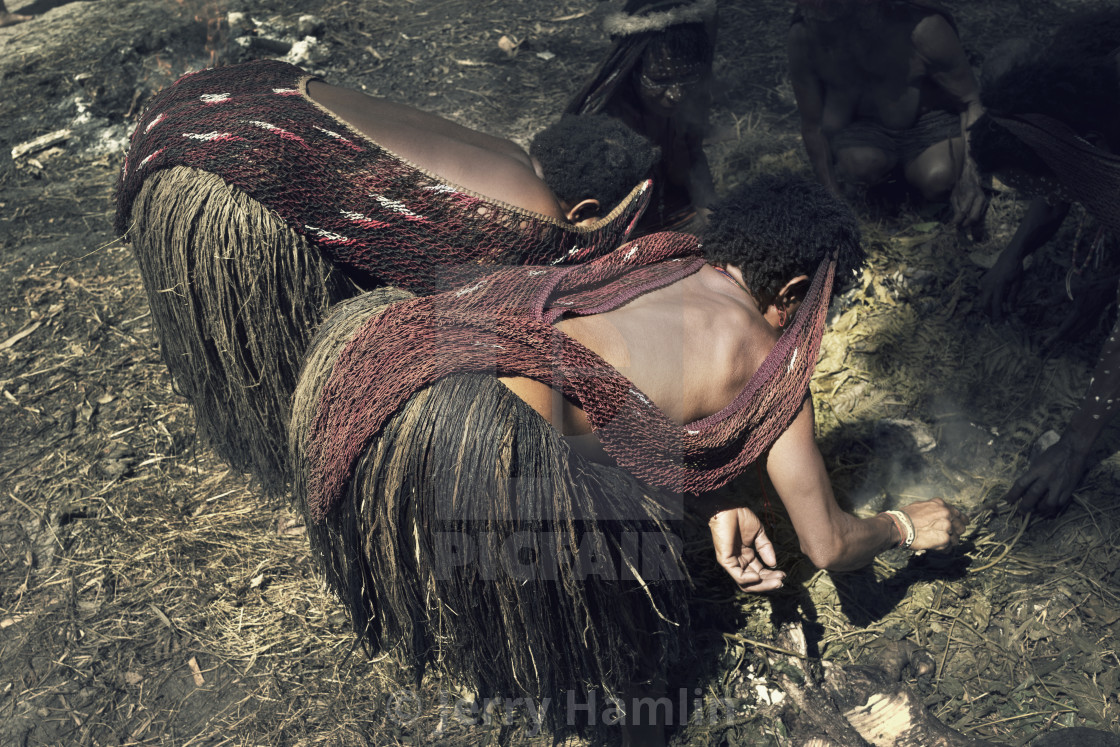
(935, 179)
(865, 166)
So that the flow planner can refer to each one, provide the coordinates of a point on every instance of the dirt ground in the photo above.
(150, 596)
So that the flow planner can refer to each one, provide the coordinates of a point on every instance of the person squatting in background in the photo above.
(884, 89)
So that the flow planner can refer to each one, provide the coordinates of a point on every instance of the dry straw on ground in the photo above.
(150, 596)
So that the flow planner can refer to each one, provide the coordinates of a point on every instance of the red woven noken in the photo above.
(366, 209)
(502, 324)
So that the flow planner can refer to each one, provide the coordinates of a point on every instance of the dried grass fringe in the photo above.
(235, 296)
(466, 455)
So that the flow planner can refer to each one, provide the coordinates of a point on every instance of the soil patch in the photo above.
(150, 596)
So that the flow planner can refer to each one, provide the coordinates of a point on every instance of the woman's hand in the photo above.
(969, 200)
(744, 551)
(1048, 485)
(999, 287)
(937, 525)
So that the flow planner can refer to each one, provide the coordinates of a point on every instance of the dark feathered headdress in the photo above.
(633, 29)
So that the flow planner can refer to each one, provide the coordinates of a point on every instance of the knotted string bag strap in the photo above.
(491, 327)
(494, 325)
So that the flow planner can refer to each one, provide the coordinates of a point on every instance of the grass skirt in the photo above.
(235, 297)
(471, 539)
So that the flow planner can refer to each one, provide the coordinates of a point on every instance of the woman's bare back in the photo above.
(492, 167)
(690, 347)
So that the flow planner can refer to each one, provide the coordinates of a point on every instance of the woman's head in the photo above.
(674, 63)
(670, 47)
(780, 227)
(1074, 81)
(592, 157)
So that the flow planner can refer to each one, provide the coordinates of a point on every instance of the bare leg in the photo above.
(935, 171)
(864, 165)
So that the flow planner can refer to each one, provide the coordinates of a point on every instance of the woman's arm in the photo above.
(940, 47)
(831, 537)
(1000, 285)
(1049, 483)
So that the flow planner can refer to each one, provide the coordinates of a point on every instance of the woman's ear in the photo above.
(793, 292)
(584, 211)
(787, 302)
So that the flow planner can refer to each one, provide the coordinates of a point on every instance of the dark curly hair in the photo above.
(996, 151)
(780, 226)
(592, 156)
(1073, 79)
(1084, 93)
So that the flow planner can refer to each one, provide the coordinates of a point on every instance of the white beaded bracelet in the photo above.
(903, 521)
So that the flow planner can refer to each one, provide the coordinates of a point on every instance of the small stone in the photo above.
(309, 25)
